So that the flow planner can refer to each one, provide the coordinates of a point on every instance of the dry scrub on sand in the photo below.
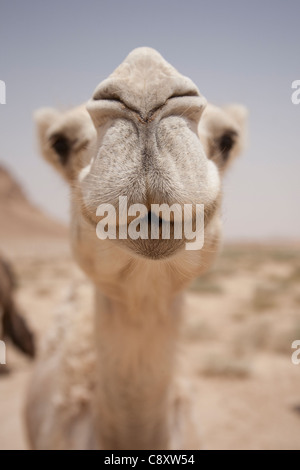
(248, 399)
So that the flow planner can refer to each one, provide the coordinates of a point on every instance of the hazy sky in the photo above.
(55, 53)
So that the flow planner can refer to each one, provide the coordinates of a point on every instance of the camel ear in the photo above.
(63, 136)
(224, 133)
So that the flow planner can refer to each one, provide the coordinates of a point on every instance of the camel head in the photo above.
(147, 134)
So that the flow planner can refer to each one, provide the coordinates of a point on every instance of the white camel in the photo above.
(107, 378)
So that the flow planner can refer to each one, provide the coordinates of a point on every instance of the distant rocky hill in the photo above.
(20, 220)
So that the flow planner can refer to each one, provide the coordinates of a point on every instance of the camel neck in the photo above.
(136, 350)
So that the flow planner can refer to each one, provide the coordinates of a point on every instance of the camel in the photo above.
(108, 377)
(12, 323)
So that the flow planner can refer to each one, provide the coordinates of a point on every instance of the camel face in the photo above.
(147, 135)
(146, 116)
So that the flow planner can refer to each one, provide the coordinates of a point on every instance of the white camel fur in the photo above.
(107, 379)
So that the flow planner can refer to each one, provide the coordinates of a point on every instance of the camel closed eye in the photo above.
(62, 146)
(226, 143)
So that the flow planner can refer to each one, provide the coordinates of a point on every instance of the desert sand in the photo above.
(240, 321)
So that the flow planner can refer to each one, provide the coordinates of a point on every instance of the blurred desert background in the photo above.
(240, 321)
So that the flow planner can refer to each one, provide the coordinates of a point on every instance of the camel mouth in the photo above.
(163, 248)
(151, 235)
(151, 248)
(147, 249)
(157, 246)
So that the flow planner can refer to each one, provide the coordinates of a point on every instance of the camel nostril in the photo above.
(185, 94)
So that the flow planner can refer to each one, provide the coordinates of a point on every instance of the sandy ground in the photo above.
(240, 322)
